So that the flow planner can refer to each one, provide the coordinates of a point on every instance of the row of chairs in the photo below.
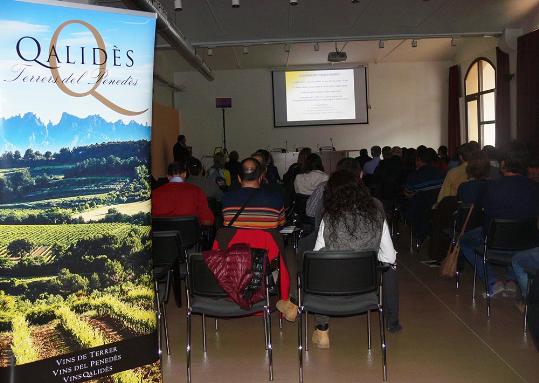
(353, 288)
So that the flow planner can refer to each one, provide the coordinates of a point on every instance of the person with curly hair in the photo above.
(353, 220)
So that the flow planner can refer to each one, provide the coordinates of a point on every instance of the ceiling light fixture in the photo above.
(287, 48)
(245, 50)
(210, 51)
(235, 3)
(381, 44)
(414, 43)
(453, 42)
(355, 1)
(293, 2)
(178, 6)
(316, 47)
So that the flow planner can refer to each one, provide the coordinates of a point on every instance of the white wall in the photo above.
(408, 107)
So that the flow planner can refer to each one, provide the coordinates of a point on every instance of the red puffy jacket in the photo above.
(240, 271)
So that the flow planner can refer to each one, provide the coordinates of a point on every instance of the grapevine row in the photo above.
(21, 343)
(138, 320)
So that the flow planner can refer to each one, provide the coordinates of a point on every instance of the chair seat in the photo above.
(340, 305)
(499, 257)
(222, 307)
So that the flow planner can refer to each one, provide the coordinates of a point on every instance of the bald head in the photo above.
(251, 172)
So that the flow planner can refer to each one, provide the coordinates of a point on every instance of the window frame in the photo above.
(477, 97)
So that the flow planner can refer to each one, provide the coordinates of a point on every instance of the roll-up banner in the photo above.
(76, 290)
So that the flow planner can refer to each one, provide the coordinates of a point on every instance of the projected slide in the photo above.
(310, 97)
(320, 95)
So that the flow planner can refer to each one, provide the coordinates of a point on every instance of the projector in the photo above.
(337, 57)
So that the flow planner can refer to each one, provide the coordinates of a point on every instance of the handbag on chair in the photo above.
(448, 268)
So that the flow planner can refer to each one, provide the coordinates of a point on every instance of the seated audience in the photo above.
(353, 220)
(512, 196)
(371, 165)
(525, 262)
(492, 154)
(178, 198)
(217, 173)
(254, 207)
(478, 170)
(233, 166)
(388, 177)
(425, 175)
(363, 157)
(272, 173)
(443, 157)
(290, 176)
(458, 175)
(313, 175)
(209, 187)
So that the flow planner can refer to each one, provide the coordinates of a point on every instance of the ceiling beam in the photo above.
(300, 40)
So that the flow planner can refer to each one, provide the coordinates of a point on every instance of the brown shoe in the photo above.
(288, 309)
(321, 338)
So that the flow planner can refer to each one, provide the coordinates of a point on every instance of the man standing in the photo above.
(181, 199)
(180, 151)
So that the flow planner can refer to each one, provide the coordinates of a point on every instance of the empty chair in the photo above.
(353, 287)
(420, 211)
(504, 238)
(207, 298)
(188, 228)
(166, 250)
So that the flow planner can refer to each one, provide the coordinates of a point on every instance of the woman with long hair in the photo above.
(353, 220)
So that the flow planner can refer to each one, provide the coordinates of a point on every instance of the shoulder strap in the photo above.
(242, 208)
(465, 225)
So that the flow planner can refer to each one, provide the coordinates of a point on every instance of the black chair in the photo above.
(459, 217)
(207, 298)
(353, 287)
(424, 200)
(531, 311)
(190, 236)
(504, 238)
(166, 251)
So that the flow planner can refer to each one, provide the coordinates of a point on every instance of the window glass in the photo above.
(472, 80)
(488, 107)
(488, 76)
(489, 135)
(473, 124)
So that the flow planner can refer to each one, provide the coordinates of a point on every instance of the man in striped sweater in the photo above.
(263, 210)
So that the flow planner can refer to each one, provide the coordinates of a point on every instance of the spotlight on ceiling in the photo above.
(178, 6)
(453, 42)
(355, 1)
(381, 44)
(245, 50)
(235, 3)
(287, 48)
(210, 51)
(414, 43)
(316, 47)
(293, 2)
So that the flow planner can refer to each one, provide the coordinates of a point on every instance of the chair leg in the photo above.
(300, 344)
(270, 346)
(265, 320)
(411, 240)
(485, 280)
(526, 308)
(188, 346)
(165, 325)
(158, 303)
(369, 329)
(457, 279)
(204, 333)
(383, 341)
(280, 321)
(474, 277)
(216, 325)
(306, 330)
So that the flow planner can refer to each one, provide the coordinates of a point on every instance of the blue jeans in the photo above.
(525, 260)
(468, 242)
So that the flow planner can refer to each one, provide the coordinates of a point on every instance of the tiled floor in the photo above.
(445, 338)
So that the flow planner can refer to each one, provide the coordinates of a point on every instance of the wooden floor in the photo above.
(445, 338)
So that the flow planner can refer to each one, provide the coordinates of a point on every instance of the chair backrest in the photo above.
(340, 272)
(166, 247)
(427, 197)
(476, 219)
(300, 201)
(512, 234)
(188, 228)
(201, 280)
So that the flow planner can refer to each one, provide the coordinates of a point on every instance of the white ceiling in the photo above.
(266, 25)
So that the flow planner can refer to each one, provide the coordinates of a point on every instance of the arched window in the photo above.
(480, 86)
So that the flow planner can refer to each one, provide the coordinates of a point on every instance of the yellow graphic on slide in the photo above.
(292, 79)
